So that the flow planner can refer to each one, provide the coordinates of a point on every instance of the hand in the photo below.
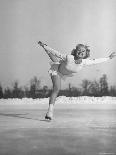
(112, 55)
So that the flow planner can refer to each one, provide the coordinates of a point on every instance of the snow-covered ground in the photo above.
(62, 100)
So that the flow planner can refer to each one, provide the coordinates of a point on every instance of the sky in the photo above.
(61, 24)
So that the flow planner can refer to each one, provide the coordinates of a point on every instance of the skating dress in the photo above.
(65, 65)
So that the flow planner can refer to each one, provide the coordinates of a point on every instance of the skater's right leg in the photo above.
(53, 54)
(56, 80)
(52, 57)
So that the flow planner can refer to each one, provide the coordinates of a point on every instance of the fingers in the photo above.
(112, 55)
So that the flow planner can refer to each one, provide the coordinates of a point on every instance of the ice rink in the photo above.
(83, 126)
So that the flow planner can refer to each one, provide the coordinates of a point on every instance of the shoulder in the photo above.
(69, 56)
(85, 61)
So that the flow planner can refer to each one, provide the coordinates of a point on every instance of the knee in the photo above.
(56, 90)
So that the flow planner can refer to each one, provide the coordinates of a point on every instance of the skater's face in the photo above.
(81, 52)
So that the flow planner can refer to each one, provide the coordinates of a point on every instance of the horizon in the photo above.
(41, 84)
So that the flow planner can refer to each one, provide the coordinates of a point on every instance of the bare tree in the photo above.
(34, 87)
(1, 92)
(85, 86)
(94, 88)
(103, 85)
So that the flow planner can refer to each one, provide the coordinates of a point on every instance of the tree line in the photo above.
(95, 88)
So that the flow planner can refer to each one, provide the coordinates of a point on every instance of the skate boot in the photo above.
(49, 115)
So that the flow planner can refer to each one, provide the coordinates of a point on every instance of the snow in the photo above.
(61, 100)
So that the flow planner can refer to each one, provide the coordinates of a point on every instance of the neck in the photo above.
(78, 60)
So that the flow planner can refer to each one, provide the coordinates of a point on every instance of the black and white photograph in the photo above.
(58, 77)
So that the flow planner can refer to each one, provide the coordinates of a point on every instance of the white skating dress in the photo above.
(65, 66)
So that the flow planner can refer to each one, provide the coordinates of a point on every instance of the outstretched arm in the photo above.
(52, 52)
(100, 60)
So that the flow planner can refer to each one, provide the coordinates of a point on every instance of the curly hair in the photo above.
(75, 51)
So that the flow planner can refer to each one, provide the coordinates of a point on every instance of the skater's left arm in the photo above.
(100, 60)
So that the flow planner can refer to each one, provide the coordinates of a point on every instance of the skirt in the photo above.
(54, 70)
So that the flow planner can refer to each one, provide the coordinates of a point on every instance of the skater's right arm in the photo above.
(52, 51)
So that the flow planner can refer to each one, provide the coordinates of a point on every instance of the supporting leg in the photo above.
(56, 80)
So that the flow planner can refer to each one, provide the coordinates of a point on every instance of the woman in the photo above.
(63, 66)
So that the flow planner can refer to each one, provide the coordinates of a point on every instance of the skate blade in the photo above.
(48, 118)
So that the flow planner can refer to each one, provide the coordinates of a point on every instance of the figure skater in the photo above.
(65, 65)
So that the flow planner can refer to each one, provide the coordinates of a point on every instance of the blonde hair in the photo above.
(74, 51)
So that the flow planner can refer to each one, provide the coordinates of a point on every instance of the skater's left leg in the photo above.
(56, 80)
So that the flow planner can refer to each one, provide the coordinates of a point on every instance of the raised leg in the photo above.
(56, 80)
(52, 57)
(53, 54)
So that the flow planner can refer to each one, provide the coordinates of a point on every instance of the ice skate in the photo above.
(49, 116)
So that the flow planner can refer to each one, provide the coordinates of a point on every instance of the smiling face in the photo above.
(80, 52)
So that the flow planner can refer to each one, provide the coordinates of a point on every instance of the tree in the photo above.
(17, 91)
(34, 87)
(103, 85)
(1, 92)
(26, 91)
(70, 89)
(45, 91)
(7, 93)
(85, 86)
(94, 88)
(112, 91)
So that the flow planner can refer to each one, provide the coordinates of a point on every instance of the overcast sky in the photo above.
(61, 24)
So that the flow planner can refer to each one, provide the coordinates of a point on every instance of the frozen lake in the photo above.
(77, 129)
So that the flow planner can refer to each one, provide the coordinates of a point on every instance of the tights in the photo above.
(56, 80)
